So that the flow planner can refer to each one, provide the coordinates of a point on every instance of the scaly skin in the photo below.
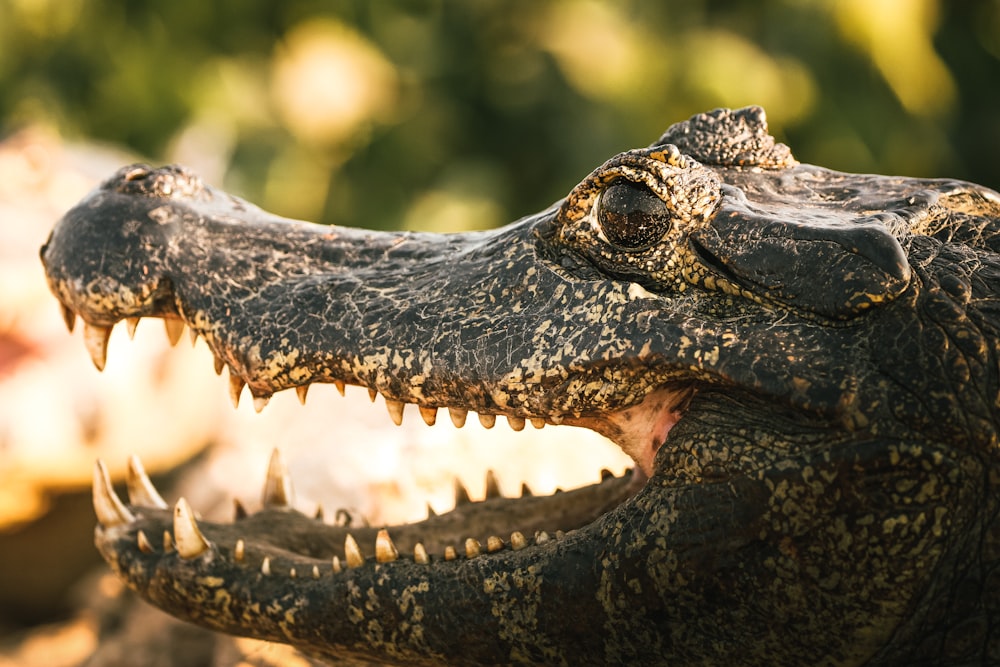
(803, 364)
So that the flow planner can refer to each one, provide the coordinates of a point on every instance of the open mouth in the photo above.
(279, 538)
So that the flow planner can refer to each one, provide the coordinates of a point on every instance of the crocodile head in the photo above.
(802, 363)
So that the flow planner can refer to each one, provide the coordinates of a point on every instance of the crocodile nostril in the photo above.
(137, 173)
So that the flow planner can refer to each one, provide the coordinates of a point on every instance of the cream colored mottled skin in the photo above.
(803, 363)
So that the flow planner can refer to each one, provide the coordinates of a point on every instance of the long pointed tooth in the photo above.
(140, 489)
(315, 572)
(373, 394)
(168, 542)
(461, 494)
(219, 364)
(335, 565)
(108, 506)
(352, 552)
(341, 387)
(494, 543)
(301, 392)
(69, 317)
(492, 485)
(385, 550)
(190, 541)
(260, 402)
(143, 543)
(239, 511)
(429, 415)
(240, 551)
(278, 485)
(538, 422)
(265, 566)
(420, 554)
(472, 547)
(96, 340)
(194, 336)
(174, 327)
(516, 423)
(130, 325)
(487, 420)
(319, 513)
(430, 511)
(517, 541)
(395, 411)
(235, 387)
(458, 416)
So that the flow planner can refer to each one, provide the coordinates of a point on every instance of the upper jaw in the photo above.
(487, 322)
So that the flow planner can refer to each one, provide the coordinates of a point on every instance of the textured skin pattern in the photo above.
(803, 363)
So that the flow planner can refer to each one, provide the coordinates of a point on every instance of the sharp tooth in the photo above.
(517, 541)
(319, 513)
(420, 554)
(235, 387)
(487, 420)
(385, 550)
(335, 564)
(140, 490)
(301, 392)
(461, 494)
(107, 505)
(168, 542)
(194, 336)
(458, 416)
(373, 394)
(190, 541)
(239, 511)
(538, 422)
(352, 552)
(472, 547)
(69, 317)
(96, 340)
(429, 415)
(449, 553)
(430, 511)
(265, 567)
(278, 485)
(492, 485)
(395, 411)
(219, 364)
(315, 572)
(494, 543)
(260, 402)
(341, 387)
(516, 423)
(525, 489)
(606, 474)
(130, 324)
(240, 551)
(143, 542)
(292, 573)
(174, 327)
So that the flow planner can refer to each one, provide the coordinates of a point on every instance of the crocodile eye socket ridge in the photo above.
(631, 216)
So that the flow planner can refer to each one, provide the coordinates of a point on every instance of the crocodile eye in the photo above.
(631, 216)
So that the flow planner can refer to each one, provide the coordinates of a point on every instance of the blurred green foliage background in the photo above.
(447, 115)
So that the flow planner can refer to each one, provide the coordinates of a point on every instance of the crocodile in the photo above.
(802, 363)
